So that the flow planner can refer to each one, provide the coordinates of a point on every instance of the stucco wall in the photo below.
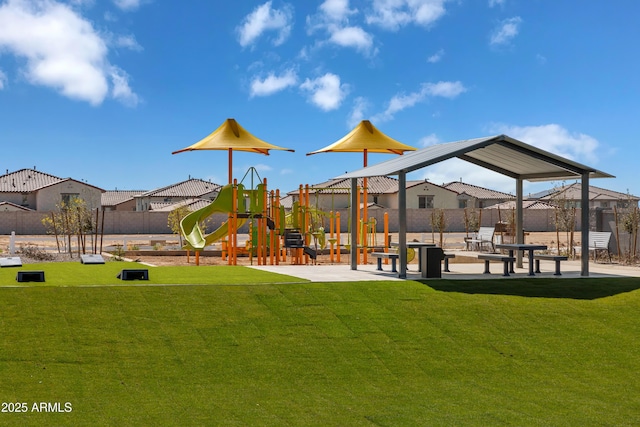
(48, 198)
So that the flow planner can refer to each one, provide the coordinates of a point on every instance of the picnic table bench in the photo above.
(550, 257)
(393, 256)
(507, 260)
(447, 257)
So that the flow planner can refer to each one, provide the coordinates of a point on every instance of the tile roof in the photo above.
(190, 188)
(574, 192)
(477, 192)
(526, 204)
(115, 197)
(26, 180)
(375, 185)
(14, 206)
(30, 180)
(191, 204)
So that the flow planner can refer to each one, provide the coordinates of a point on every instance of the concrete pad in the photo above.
(13, 261)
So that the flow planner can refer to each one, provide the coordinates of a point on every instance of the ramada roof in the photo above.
(30, 180)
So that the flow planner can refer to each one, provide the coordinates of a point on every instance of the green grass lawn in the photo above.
(444, 353)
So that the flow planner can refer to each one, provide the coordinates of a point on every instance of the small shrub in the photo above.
(118, 253)
(32, 251)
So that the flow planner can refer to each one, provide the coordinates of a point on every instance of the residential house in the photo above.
(598, 197)
(120, 200)
(39, 191)
(382, 192)
(473, 196)
(12, 207)
(189, 189)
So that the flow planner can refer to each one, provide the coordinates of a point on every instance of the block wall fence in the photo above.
(418, 220)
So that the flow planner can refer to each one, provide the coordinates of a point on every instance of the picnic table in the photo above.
(529, 247)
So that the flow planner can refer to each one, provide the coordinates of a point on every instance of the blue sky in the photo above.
(104, 90)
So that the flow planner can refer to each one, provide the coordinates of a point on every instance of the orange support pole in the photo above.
(234, 224)
(197, 257)
(331, 236)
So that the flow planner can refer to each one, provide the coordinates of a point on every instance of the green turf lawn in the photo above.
(540, 352)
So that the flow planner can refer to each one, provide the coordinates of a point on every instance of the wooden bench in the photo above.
(483, 237)
(387, 255)
(507, 260)
(447, 257)
(550, 257)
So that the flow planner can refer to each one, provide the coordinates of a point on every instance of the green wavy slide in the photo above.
(190, 224)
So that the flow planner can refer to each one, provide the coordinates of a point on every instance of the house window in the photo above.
(462, 204)
(604, 204)
(425, 202)
(375, 199)
(67, 198)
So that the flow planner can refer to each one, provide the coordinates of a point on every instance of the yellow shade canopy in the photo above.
(365, 137)
(230, 135)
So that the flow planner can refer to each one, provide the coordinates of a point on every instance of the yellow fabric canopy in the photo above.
(365, 137)
(230, 135)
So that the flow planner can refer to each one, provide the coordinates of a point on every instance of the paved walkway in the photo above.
(459, 271)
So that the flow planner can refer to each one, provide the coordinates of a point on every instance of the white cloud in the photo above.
(506, 31)
(354, 37)
(393, 14)
(555, 139)
(436, 57)
(457, 169)
(128, 42)
(121, 89)
(444, 89)
(401, 102)
(333, 19)
(326, 92)
(360, 104)
(493, 3)
(62, 50)
(552, 137)
(3, 79)
(337, 10)
(127, 4)
(265, 18)
(428, 140)
(272, 83)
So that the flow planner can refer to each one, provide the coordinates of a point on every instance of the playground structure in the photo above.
(275, 235)
(272, 231)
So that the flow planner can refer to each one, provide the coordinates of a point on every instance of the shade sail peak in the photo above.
(365, 137)
(230, 135)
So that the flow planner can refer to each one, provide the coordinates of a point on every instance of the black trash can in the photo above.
(431, 262)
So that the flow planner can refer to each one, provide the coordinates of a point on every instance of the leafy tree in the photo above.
(174, 218)
(69, 219)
